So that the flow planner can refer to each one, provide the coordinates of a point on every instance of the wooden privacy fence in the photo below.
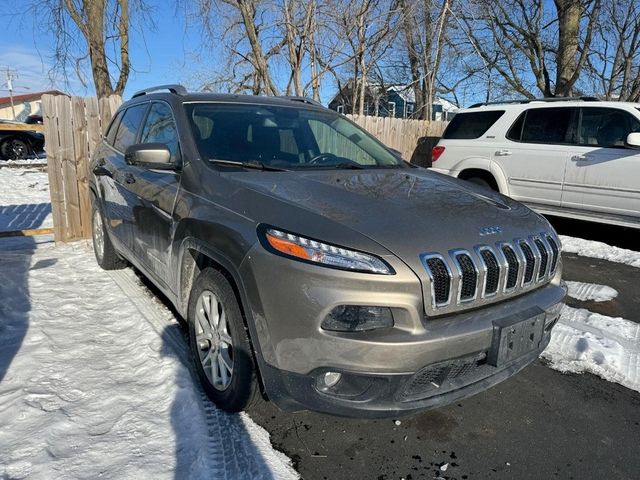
(399, 133)
(73, 127)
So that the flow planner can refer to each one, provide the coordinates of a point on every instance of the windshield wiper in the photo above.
(255, 164)
(348, 166)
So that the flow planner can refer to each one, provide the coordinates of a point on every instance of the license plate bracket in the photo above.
(515, 336)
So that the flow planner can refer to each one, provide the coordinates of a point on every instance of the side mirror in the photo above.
(633, 140)
(149, 155)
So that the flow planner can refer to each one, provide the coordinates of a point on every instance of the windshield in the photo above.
(285, 137)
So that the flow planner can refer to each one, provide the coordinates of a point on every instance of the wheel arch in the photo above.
(493, 175)
(195, 256)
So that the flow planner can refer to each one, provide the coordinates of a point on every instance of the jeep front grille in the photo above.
(500, 270)
(493, 271)
(440, 280)
(513, 266)
(530, 261)
(554, 251)
(468, 277)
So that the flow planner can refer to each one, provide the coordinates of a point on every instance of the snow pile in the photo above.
(591, 291)
(24, 199)
(583, 341)
(593, 249)
(90, 389)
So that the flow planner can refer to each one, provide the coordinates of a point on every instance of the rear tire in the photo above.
(106, 254)
(219, 344)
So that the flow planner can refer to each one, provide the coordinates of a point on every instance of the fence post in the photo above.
(54, 170)
(73, 128)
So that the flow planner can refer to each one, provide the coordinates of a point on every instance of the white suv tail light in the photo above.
(436, 152)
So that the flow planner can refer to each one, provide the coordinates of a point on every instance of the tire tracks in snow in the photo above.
(234, 441)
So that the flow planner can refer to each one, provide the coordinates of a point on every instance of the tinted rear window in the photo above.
(468, 125)
(545, 125)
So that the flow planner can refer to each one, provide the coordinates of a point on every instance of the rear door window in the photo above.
(545, 125)
(469, 125)
(129, 126)
(606, 127)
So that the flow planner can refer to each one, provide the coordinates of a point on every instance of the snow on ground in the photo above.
(24, 199)
(89, 388)
(590, 248)
(591, 291)
(40, 160)
(583, 341)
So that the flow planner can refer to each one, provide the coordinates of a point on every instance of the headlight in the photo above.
(313, 251)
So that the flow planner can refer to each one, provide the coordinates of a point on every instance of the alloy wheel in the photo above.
(215, 345)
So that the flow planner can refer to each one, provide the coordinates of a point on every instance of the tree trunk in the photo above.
(569, 14)
(90, 20)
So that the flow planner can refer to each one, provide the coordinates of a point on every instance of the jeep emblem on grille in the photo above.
(490, 231)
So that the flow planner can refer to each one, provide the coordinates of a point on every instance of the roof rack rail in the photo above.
(310, 101)
(173, 88)
(530, 100)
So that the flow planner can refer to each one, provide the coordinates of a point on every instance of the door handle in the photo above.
(578, 158)
(129, 178)
(503, 153)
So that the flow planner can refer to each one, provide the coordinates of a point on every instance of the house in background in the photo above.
(396, 101)
(24, 105)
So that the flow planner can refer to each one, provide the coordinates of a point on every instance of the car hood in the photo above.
(407, 211)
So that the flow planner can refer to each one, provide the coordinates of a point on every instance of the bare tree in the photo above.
(368, 28)
(526, 44)
(90, 29)
(613, 64)
(424, 25)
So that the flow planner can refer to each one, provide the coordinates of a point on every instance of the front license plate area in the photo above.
(514, 337)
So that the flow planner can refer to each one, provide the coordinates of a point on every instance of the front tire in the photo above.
(106, 254)
(219, 344)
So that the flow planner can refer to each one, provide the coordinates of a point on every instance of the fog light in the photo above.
(357, 318)
(331, 378)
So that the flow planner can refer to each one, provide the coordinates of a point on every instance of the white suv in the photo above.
(575, 158)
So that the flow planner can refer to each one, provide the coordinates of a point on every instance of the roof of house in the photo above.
(27, 97)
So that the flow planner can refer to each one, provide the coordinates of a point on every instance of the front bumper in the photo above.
(377, 366)
(382, 396)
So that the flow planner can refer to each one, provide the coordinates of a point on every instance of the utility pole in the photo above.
(11, 75)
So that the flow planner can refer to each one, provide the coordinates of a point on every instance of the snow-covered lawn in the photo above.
(93, 384)
(24, 199)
